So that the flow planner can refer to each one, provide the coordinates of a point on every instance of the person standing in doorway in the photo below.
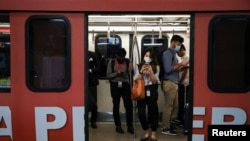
(183, 87)
(149, 70)
(118, 72)
(92, 90)
(170, 83)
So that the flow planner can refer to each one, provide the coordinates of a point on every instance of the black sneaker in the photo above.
(177, 123)
(174, 128)
(119, 129)
(185, 132)
(145, 139)
(93, 125)
(169, 131)
(131, 129)
(153, 139)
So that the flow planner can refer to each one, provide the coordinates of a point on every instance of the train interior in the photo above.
(134, 33)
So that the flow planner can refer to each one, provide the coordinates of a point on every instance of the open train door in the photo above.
(221, 81)
(46, 99)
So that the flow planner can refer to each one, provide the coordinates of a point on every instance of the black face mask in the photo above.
(120, 60)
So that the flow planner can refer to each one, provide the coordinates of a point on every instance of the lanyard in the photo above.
(147, 77)
(119, 68)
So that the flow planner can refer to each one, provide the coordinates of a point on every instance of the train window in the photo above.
(229, 59)
(4, 53)
(107, 46)
(106, 49)
(154, 41)
(47, 53)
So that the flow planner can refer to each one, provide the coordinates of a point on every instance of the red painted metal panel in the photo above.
(127, 5)
(5, 29)
(23, 102)
(202, 95)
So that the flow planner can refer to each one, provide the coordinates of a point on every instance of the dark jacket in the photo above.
(93, 69)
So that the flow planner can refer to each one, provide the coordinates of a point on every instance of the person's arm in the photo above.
(137, 75)
(167, 62)
(153, 75)
(184, 70)
(97, 65)
(184, 64)
(157, 74)
(180, 65)
(183, 75)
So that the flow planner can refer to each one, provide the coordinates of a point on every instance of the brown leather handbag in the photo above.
(138, 90)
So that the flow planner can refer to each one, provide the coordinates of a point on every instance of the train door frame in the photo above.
(191, 52)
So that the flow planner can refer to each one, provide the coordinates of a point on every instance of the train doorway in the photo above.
(134, 33)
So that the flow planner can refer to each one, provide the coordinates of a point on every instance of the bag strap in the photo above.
(112, 65)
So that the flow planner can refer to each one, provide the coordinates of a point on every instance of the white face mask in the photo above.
(147, 60)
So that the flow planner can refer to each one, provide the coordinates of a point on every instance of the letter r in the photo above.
(218, 114)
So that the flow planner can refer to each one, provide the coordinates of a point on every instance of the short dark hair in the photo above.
(121, 52)
(177, 38)
(183, 47)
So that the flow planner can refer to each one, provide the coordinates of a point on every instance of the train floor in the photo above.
(106, 132)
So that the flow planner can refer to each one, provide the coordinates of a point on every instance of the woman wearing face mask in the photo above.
(148, 70)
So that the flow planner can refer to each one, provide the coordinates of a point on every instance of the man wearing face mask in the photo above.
(170, 83)
(118, 72)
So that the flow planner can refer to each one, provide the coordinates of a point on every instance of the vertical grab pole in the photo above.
(135, 59)
(186, 110)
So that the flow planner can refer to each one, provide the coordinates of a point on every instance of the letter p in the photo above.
(42, 125)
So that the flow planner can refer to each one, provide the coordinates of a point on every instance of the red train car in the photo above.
(43, 89)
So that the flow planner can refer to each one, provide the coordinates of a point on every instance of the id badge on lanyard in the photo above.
(119, 84)
(148, 92)
(119, 67)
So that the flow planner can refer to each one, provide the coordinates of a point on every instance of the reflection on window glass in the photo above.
(108, 46)
(4, 53)
(229, 59)
(106, 49)
(154, 41)
(48, 52)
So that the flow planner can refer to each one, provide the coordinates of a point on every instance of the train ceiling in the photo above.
(131, 23)
(140, 23)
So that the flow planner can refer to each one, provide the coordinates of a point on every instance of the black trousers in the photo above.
(149, 103)
(181, 101)
(92, 103)
(117, 93)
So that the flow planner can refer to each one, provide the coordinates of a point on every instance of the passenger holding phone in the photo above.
(148, 70)
(183, 85)
(118, 72)
(170, 84)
